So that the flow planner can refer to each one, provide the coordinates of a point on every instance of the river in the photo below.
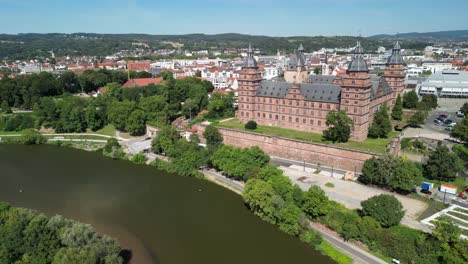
(160, 217)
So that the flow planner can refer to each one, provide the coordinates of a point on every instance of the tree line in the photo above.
(29, 237)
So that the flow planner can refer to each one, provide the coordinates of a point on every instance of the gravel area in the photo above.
(351, 194)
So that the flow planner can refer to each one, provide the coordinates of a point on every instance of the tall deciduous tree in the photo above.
(165, 140)
(136, 123)
(410, 100)
(384, 208)
(339, 127)
(118, 113)
(442, 164)
(213, 137)
(397, 111)
(460, 130)
(5, 107)
(315, 202)
(381, 125)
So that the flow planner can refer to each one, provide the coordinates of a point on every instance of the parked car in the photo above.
(460, 114)
(426, 191)
(443, 116)
(449, 123)
(441, 119)
(437, 122)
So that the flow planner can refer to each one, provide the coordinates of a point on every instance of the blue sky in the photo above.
(260, 17)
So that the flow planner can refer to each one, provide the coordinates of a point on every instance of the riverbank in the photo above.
(334, 245)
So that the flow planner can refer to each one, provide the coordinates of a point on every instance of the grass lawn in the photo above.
(334, 253)
(11, 133)
(108, 130)
(373, 145)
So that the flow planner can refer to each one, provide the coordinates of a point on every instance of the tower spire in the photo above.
(250, 61)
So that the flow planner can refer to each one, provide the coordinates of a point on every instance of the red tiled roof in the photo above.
(142, 82)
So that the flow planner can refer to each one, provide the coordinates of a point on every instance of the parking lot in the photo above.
(447, 106)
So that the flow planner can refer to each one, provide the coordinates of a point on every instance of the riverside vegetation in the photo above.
(29, 237)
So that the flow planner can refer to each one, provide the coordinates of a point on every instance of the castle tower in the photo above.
(356, 93)
(249, 81)
(296, 71)
(394, 72)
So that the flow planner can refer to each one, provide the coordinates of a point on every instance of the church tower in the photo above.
(356, 93)
(249, 81)
(394, 72)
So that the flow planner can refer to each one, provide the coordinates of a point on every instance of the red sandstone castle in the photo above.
(302, 101)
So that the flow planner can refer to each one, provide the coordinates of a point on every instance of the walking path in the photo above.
(358, 255)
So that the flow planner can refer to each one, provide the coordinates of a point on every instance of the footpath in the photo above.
(359, 255)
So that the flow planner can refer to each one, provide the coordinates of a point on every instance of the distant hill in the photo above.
(27, 46)
(454, 35)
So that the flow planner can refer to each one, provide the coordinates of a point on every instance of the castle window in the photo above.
(356, 96)
(320, 105)
(355, 102)
(290, 102)
(242, 113)
(297, 120)
(263, 115)
(297, 111)
(347, 95)
(312, 122)
(269, 116)
(328, 106)
(320, 123)
(297, 103)
(304, 112)
(282, 118)
(347, 89)
(353, 82)
(312, 113)
(270, 100)
(290, 119)
(258, 114)
(355, 110)
(247, 114)
(276, 117)
(303, 121)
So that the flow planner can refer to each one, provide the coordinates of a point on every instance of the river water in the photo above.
(161, 218)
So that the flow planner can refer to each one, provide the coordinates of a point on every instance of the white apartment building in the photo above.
(437, 66)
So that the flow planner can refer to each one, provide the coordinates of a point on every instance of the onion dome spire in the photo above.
(250, 61)
(395, 58)
(358, 63)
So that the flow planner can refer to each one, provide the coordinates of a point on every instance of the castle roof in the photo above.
(358, 63)
(317, 92)
(380, 87)
(396, 58)
(297, 59)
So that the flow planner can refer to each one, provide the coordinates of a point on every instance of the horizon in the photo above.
(212, 17)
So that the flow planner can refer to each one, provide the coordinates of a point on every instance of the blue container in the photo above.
(426, 186)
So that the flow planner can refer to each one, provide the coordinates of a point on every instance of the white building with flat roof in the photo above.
(446, 84)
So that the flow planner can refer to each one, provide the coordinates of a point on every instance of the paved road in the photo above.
(359, 255)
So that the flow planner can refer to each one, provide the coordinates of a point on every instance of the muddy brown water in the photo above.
(159, 217)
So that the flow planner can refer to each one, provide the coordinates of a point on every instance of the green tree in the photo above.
(381, 125)
(442, 164)
(460, 131)
(93, 120)
(339, 127)
(31, 137)
(288, 219)
(318, 70)
(397, 111)
(69, 82)
(136, 123)
(75, 255)
(213, 137)
(410, 100)
(428, 102)
(258, 195)
(165, 140)
(311, 237)
(156, 109)
(5, 107)
(119, 112)
(418, 118)
(464, 108)
(315, 202)
(384, 208)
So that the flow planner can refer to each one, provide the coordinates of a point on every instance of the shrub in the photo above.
(329, 185)
(311, 237)
(139, 158)
(251, 125)
(386, 209)
(32, 137)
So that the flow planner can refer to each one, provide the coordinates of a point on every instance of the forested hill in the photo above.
(27, 46)
(454, 35)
